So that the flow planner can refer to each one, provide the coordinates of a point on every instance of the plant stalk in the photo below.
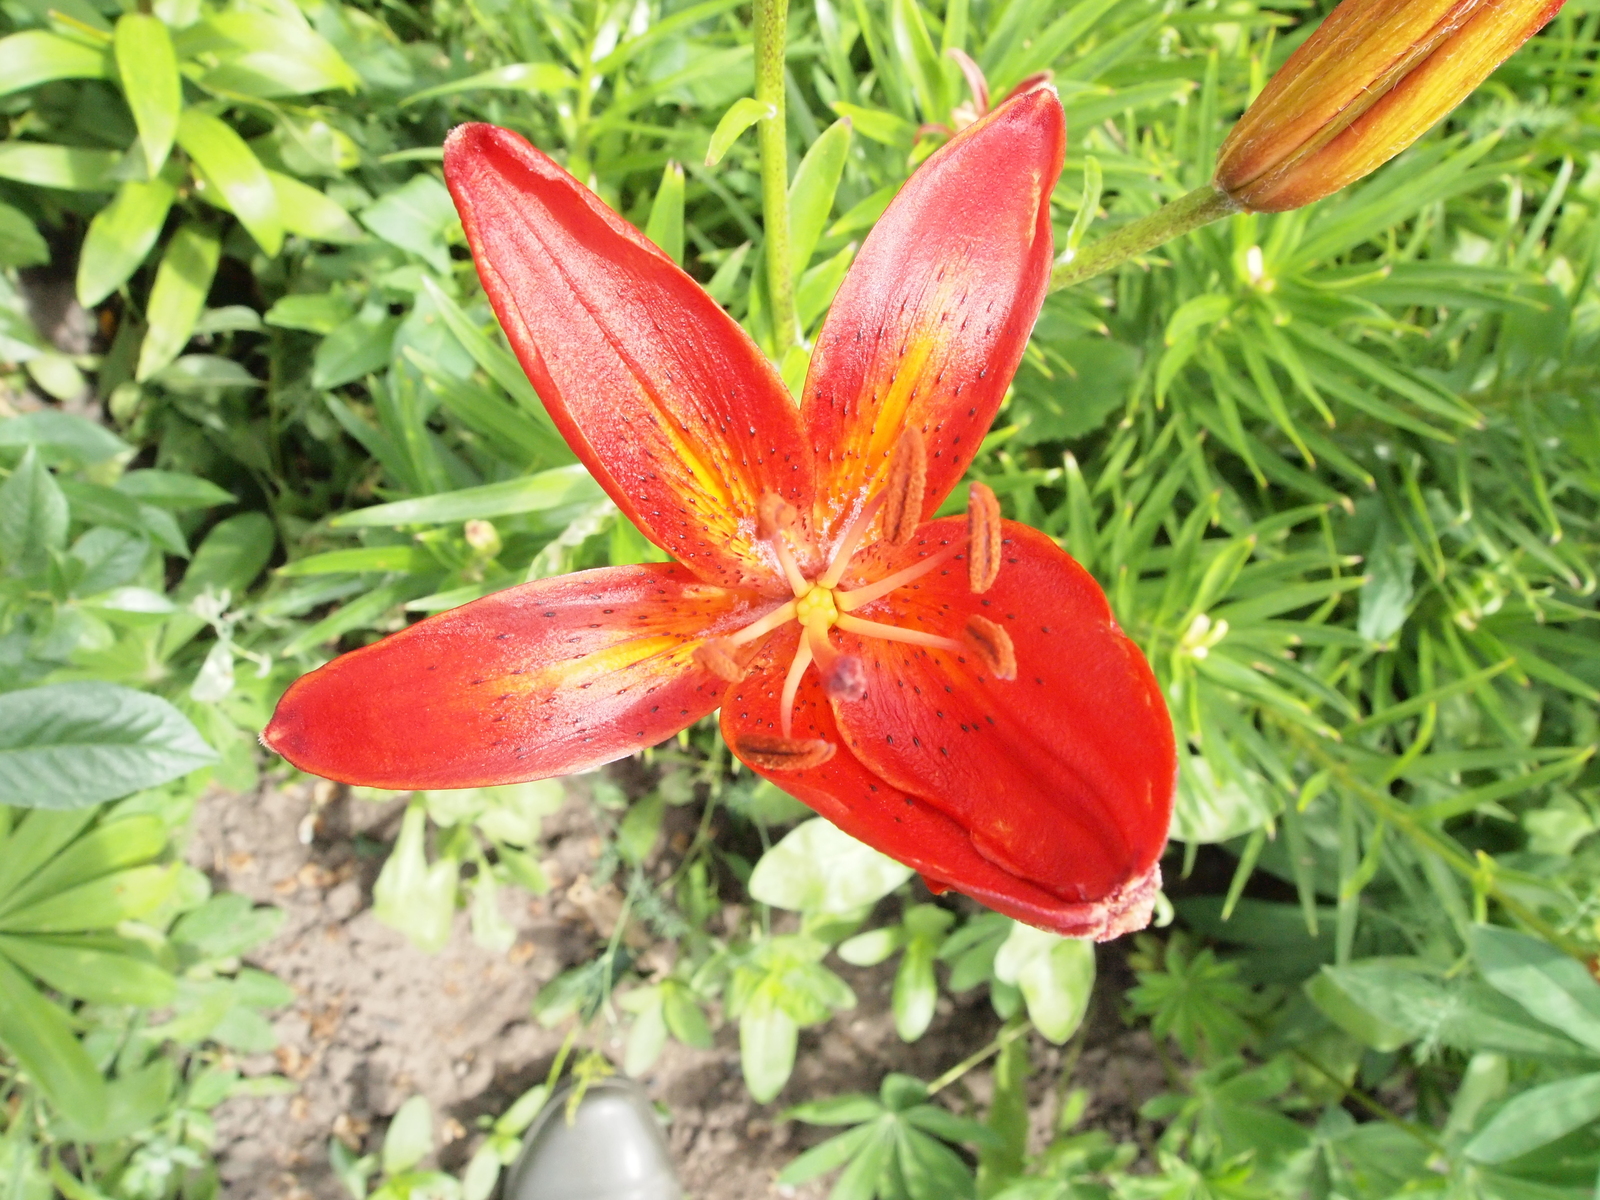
(771, 31)
(1200, 207)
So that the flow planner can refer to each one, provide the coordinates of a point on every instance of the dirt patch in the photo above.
(376, 1021)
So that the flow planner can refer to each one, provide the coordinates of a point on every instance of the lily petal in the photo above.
(899, 824)
(931, 321)
(659, 392)
(1062, 776)
(544, 679)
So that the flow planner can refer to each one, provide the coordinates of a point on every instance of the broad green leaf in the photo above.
(812, 192)
(418, 217)
(310, 214)
(741, 114)
(767, 1039)
(548, 78)
(1550, 984)
(172, 489)
(265, 54)
(413, 896)
(231, 556)
(317, 312)
(38, 1036)
(120, 236)
(555, 488)
(38, 56)
(233, 176)
(358, 347)
(878, 126)
(70, 168)
(91, 969)
(148, 67)
(62, 438)
(66, 745)
(410, 1136)
(665, 227)
(21, 244)
(33, 522)
(818, 868)
(1055, 974)
(646, 1039)
(178, 295)
(1537, 1117)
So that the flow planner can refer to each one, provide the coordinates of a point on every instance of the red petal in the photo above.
(544, 679)
(1062, 776)
(932, 319)
(904, 826)
(665, 399)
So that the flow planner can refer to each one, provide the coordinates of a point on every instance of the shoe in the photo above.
(612, 1150)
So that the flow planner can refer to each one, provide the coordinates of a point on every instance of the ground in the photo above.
(377, 1020)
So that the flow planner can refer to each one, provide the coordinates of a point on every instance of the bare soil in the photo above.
(376, 1020)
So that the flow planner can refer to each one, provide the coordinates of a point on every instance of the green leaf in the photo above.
(91, 969)
(66, 745)
(358, 347)
(833, 1153)
(36, 1033)
(33, 522)
(120, 236)
(741, 114)
(62, 438)
(878, 126)
(1537, 1117)
(418, 217)
(1055, 974)
(172, 489)
(410, 1136)
(555, 488)
(267, 54)
(231, 556)
(148, 66)
(179, 294)
(818, 868)
(1550, 984)
(816, 181)
(38, 56)
(412, 896)
(70, 168)
(99, 904)
(767, 1039)
(113, 846)
(233, 176)
(317, 312)
(546, 77)
(21, 244)
(665, 227)
(310, 214)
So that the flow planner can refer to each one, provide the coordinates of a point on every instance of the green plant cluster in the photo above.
(1338, 471)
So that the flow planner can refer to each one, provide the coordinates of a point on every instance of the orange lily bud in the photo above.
(1373, 78)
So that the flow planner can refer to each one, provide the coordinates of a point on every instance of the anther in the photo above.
(983, 537)
(717, 657)
(774, 514)
(845, 678)
(908, 477)
(993, 645)
(772, 753)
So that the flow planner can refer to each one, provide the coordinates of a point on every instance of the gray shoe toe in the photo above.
(612, 1150)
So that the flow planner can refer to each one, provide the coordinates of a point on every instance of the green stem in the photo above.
(1200, 207)
(771, 29)
(1008, 1034)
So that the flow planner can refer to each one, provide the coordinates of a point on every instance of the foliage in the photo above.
(1336, 468)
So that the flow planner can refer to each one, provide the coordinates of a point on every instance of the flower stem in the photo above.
(771, 29)
(1200, 207)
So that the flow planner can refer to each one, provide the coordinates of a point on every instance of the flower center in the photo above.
(820, 605)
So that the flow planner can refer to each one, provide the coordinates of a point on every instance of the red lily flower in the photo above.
(953, 692)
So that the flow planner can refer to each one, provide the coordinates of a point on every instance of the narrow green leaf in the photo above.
(1537, 1117)
(38, 56)
(741, 114)
(1550, 984)
(665, 227)
(310, 214)
(816, 181)
(91, 970)
(70, 168)
(233, 176)
(120, 236)
(545, 77)
(148, 66)
(179, 294)
(99, 904)
(37, 1034)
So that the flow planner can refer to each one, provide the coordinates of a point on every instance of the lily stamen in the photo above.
(791, 685)
(857, 597)
(894, 633)
(779, 616)
(847, 544)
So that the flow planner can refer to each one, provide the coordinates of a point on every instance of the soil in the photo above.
(376, 1020)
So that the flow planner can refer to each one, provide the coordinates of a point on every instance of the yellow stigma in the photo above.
(816, 609)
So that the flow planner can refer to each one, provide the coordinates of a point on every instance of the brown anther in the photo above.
(774, 514)
(983, 537)
(772, 753)
(717, 656)
(993, 645)
(845, 678)
(902, 495)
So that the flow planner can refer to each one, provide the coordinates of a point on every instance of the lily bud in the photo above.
(1373, 78)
